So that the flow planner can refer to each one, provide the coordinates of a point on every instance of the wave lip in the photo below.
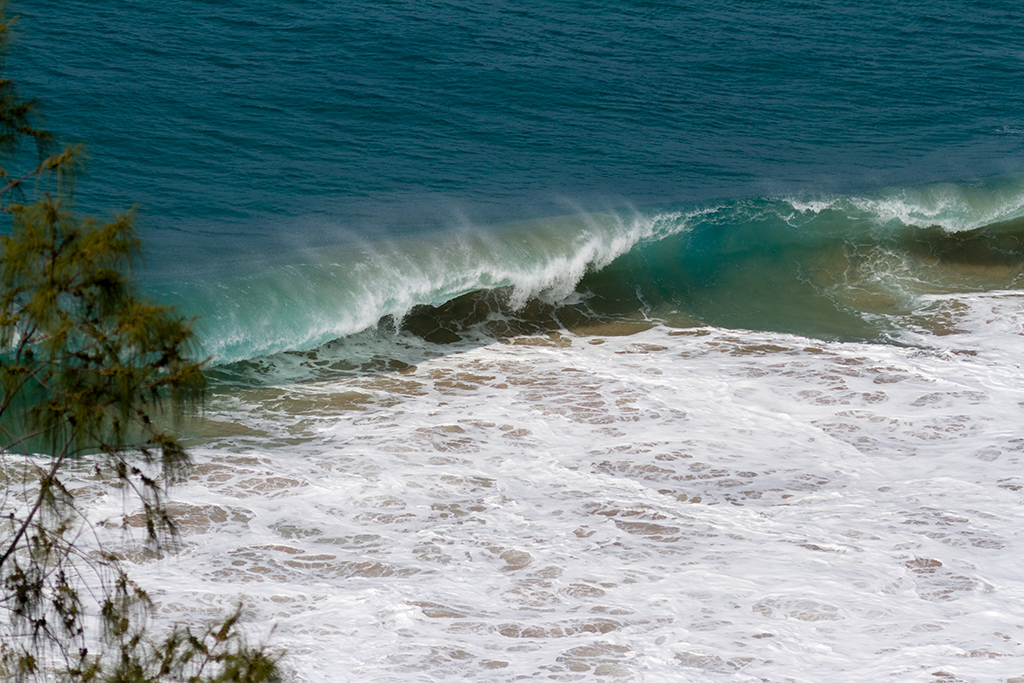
(954, 207)
(841, 267)
(330, 293)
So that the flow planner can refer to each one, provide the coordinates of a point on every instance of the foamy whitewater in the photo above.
(697, 504)
(619, 341)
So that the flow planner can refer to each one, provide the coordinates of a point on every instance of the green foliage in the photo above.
(90, 371)
(215, 655)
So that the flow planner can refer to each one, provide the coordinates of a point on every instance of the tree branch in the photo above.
(50, 476)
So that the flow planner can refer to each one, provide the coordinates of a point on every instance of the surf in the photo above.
(842, 267)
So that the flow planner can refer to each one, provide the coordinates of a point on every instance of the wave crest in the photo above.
(830, 267)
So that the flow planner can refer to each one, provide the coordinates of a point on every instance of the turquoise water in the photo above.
(260, 133)
(638, 341)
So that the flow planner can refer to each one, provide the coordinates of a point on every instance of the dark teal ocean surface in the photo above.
(305, 169)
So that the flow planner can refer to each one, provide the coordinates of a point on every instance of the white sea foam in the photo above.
(946, 206)
(954, 207)
(812, 206)
(673, 505)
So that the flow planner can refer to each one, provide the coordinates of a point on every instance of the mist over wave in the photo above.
(835, 267)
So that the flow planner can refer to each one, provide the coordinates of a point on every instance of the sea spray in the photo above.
(308, 298)
(836, 268)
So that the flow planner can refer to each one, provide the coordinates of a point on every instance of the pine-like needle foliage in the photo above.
(89, 371)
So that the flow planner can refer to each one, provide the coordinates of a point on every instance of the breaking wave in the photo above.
(831, 266)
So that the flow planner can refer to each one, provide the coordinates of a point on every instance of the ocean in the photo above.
(630, 341)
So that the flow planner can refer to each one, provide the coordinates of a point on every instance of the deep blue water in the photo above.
(247, 131)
